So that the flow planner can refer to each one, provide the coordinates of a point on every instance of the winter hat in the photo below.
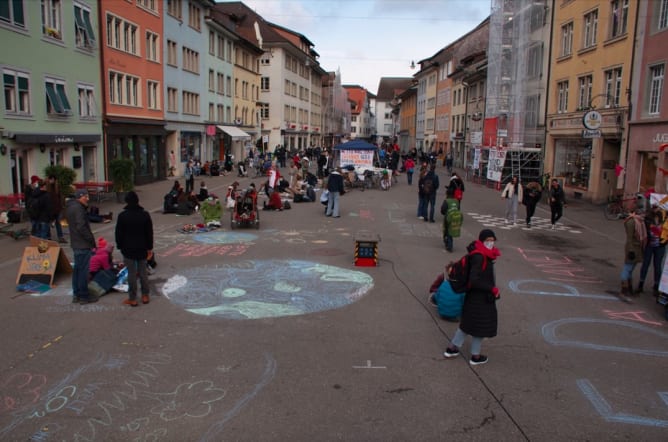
(34, 179)
(80, 192)
(486, 233)
(132, 198)
(101, 243)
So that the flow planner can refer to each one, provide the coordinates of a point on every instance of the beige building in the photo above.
(592, 50)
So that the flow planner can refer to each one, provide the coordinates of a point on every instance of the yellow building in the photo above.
(587, 130)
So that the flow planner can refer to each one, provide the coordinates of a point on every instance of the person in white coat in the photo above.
(513, 194)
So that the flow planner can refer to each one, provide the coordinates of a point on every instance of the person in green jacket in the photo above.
(452, 220)
(212, 211)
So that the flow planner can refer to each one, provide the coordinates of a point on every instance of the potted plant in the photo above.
(122, 175)
(65, 177)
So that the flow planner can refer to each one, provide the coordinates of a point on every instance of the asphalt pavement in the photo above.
(273, 334)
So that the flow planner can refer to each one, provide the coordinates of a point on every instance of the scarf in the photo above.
(639, 229)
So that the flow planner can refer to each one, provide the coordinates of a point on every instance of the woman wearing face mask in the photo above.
(479, 315)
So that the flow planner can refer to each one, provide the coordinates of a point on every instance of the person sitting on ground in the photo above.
(275, 202)
(212, 211)
(102, 259)
(94, 215)
(203, 192)
(184, 204)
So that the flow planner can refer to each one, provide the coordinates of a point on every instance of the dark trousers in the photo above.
(136, 267)
(652, 255)
(80, 272)
(557, 211)
(531, 209)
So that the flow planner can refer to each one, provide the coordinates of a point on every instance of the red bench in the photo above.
(97, 190)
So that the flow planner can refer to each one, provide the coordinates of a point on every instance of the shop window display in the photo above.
(573, 162)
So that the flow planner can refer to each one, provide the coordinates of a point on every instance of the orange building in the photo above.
(132, 84)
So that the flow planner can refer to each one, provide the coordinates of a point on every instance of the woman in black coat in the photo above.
(479, 315)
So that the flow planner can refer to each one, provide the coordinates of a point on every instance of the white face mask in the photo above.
(489, 244)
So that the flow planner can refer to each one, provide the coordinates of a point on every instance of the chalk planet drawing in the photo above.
(256, 289)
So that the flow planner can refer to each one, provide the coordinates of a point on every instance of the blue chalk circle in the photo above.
(256, 289)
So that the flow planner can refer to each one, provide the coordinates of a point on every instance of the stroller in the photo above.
(245, 211)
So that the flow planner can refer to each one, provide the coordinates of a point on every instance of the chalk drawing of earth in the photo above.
(256, 289)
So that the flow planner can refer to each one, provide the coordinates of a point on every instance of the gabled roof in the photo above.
(390, 87)
(358, 95)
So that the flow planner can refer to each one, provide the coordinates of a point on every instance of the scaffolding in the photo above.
(517, 81)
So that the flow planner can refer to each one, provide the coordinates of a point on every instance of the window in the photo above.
(86, 95)
(148, 4)
(613, 87)
(83, 28)
(17, 92)
(152, 94)
(220, 83)
(194, 16)
(220, 49)
(12, 12)
(567, 39)
(534, 62)
(190, 103)
(212, 112)
(663, 15)
(590, 28)
(190, 60)
(174, 8)
(123, 89)
(264, 83)
(228, 86)
(51, 18)
(584, 97)
(562, 97)
(220, 113)
(531, 111)
(619, 17)
(171, 53)
(121, 34)
(56, 98)
(656, 74)
(172, 100)
(152, 46)
(212, 42)
(264, 111)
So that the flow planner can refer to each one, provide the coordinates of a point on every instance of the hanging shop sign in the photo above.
(592, 120)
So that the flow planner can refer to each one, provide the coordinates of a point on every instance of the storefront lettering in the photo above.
(63, 139)
(588, 133)
(660, 138)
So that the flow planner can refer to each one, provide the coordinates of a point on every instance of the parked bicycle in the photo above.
(620, 206)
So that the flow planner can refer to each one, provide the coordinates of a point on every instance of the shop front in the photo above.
(234, 142)
(142, 142)
(647, 163)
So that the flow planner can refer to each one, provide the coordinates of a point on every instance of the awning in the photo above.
(234, 132)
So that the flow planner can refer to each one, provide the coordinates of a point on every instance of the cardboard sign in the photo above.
(40, 262)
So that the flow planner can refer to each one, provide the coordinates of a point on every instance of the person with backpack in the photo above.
(479, 315)
(456, 185)
(532, 195)
(452, 221)
(428, 184)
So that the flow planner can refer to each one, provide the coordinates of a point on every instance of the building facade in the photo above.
(51, 79)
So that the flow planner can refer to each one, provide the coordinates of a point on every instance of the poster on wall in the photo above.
(497, 158)
(476, 159)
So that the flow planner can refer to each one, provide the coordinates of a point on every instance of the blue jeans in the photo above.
(627, 270)
(423, 201)
(59, 228)
(333, 204)
(43, 230)
(652, 255)
(431, 203)
(80, 272)
(136, 267)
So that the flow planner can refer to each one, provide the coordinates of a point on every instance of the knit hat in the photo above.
(101, 243)
(486, 233)
(132, 198)
(79, 193)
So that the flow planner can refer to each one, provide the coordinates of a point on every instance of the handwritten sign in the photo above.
(497, 159)
(41, 262)
(358, 158)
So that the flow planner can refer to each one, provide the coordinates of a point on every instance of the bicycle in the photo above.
(619, 207)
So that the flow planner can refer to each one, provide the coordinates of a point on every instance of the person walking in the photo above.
(422, 197)
(189, 175)
(557, 203)
(532, 195)
(655, 248)
(452, 220)
(134, 238)
(479, 315)
(514, 193)
(335, 188)
(82, 242)
(636, 240)
(428, 186)
(409, 165)
(56, 206)
(456, 187)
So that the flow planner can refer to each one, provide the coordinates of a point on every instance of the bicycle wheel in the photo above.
(612, 211)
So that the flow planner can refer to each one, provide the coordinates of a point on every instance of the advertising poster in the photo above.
(476, 159)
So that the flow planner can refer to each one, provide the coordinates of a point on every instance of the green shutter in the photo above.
(4, 11)
(23, 84)
(52, 97)
(60, 88)
(78, 19)
(89, 26)
(9, 79)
